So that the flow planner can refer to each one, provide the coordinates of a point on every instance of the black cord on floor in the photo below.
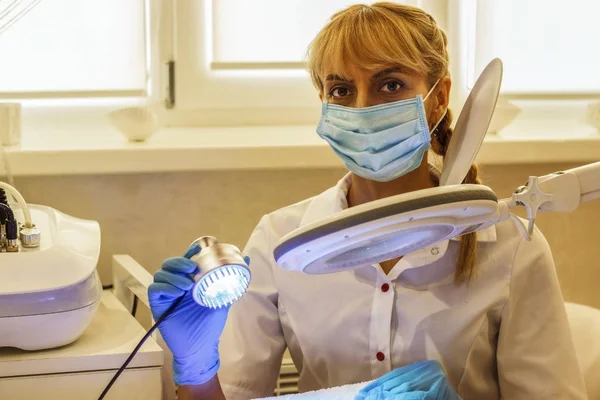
(139, 345)
(107, 287)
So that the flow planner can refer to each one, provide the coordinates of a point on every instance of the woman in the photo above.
(488, 307)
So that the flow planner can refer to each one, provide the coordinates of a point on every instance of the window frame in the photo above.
(167, 40)
(540, 115)
(90, 108)
(226, 93)
(64, 98)
(202, 94)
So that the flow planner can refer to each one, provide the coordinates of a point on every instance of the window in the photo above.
(238, 62)
(72, 48)
(550, 65)
(242, 62)
(247, 58)
(549, 47)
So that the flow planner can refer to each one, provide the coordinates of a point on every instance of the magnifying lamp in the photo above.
(395, 226)
(388, 228)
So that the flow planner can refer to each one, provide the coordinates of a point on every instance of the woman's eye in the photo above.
(392, 86)
(339, 92)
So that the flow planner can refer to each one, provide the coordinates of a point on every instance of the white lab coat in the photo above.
(505, 334)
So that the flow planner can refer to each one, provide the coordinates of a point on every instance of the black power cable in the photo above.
(134, 306)
(139, 345)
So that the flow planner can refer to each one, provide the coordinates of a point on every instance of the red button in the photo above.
(385, 287)
(380, 356)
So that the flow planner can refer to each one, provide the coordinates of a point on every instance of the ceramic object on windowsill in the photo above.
(137, 124)
(594, 115)
(504, 114)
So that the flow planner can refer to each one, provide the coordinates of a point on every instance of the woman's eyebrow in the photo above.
(334, 77)
(387, 71)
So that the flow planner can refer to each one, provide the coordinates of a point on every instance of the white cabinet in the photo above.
(81, 370)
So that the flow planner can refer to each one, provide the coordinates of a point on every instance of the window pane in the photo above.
(75, 45)
(547, 46)
(269, 31)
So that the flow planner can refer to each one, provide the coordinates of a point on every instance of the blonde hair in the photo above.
(385, 34)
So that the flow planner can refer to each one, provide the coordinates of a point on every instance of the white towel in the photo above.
(346, 392)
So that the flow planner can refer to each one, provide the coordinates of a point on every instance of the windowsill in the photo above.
(103, 150)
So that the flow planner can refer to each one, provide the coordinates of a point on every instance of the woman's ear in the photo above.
(443, 95)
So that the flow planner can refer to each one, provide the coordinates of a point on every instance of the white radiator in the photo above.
(288, 378)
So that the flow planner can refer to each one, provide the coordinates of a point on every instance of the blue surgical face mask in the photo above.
(379, 143)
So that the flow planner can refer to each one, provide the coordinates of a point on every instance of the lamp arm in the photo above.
(561, 191)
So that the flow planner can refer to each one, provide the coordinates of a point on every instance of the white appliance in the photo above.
(49, 293)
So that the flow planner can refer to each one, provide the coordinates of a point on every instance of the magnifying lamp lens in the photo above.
(378, 248)
(392, 245)
(222, 286)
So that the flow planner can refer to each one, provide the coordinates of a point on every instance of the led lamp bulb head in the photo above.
(224, 275)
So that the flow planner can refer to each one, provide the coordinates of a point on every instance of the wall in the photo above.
(154, 216)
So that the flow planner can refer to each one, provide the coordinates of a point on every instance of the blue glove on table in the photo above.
(423, 380)
(192, 331)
